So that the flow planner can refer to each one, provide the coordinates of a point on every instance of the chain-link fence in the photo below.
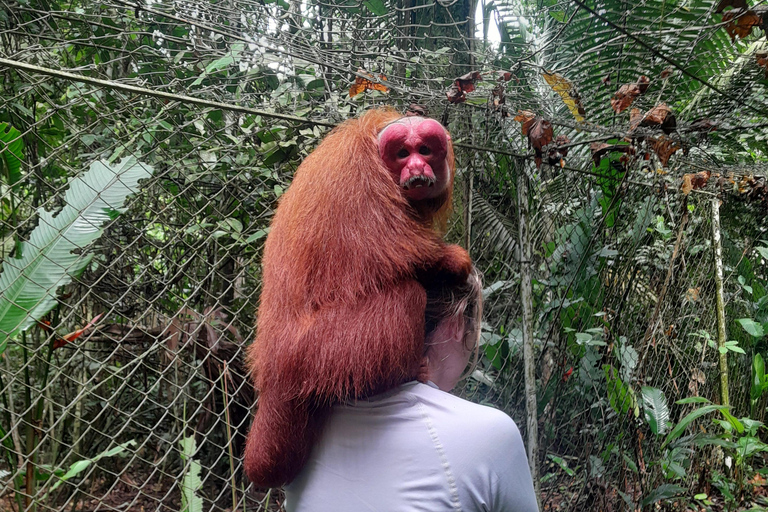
(144, 146)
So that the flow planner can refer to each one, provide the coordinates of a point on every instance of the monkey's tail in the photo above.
(281, 439)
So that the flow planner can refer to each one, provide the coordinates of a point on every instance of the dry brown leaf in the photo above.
(635, 118)
(455, 95)
(742, 22)
(686, 186)
(664, 148)
(540, 133)
(457, 92)
(703, 125)
(666, 73)
(624, 97)
(498, 97)
(525, 117)
(537, 129)
(660, 115)
(414, 109)
(762, 61)
(693, 294)
(700, 179)
(556, 154)
(736, 4)
(695, 181)
(642, 83)
(466, 83)
(599, 149)
(361, 84)
(627, 93)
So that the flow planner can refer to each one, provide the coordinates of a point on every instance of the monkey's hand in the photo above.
(423, 375)
(453, 267)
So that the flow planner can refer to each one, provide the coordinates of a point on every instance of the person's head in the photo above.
(452, 329)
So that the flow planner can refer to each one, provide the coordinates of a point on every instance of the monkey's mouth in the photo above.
(418, 182)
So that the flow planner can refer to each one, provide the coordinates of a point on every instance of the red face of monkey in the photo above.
(414, 149)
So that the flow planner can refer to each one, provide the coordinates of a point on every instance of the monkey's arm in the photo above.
(453, 267)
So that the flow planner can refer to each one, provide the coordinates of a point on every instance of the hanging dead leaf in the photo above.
(660, 115)
(703, 125)
(537, 129)
(635, 118)
(361, 84)
(693, 294)
(600, 149)
(455, 95)
(568, 93)
(525, 117)
(627, 94)
(414, 109)
(624, 97)
(466, 83)
(736, 4)
(694, 181)
(664, 148)
(700, 179)
(498, 97)
(666, 73)
(747, 184)
(557, 153)
(562, 140)
(505, 76)
(742, 21)
(457, 92)
(762, 61)
(643, 82)
(540, 133)
(72, 336)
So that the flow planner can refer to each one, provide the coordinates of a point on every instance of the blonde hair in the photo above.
(466, 300)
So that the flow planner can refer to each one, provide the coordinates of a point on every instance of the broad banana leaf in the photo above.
(29, 284)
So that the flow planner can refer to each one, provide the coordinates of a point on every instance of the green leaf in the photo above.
(758, 377)
(558, 15)
(656, 409)
(257, 235)
(231, 58)
(377, 7)
(663, 492)
(621, 396)
(81, 465)
(733, 421)
(749, 446)
(190, 483)
(29, 284)
(752, 327)
(680, 427)
(11, 152)
(693, 400)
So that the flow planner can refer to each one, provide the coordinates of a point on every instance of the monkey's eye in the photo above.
(402, 153)
(424, 150)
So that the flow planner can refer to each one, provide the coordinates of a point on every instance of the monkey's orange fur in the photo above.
(342, 305)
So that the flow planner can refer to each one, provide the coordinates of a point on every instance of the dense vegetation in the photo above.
(143, 147)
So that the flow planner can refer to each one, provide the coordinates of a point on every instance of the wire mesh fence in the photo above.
(144, 147)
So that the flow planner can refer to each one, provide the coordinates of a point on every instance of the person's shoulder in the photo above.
(463, 412)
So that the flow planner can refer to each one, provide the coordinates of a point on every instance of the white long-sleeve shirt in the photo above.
(415, 448)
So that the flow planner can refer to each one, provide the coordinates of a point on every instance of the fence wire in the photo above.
(144, 146)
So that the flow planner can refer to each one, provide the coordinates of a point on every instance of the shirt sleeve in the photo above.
(511, 482)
